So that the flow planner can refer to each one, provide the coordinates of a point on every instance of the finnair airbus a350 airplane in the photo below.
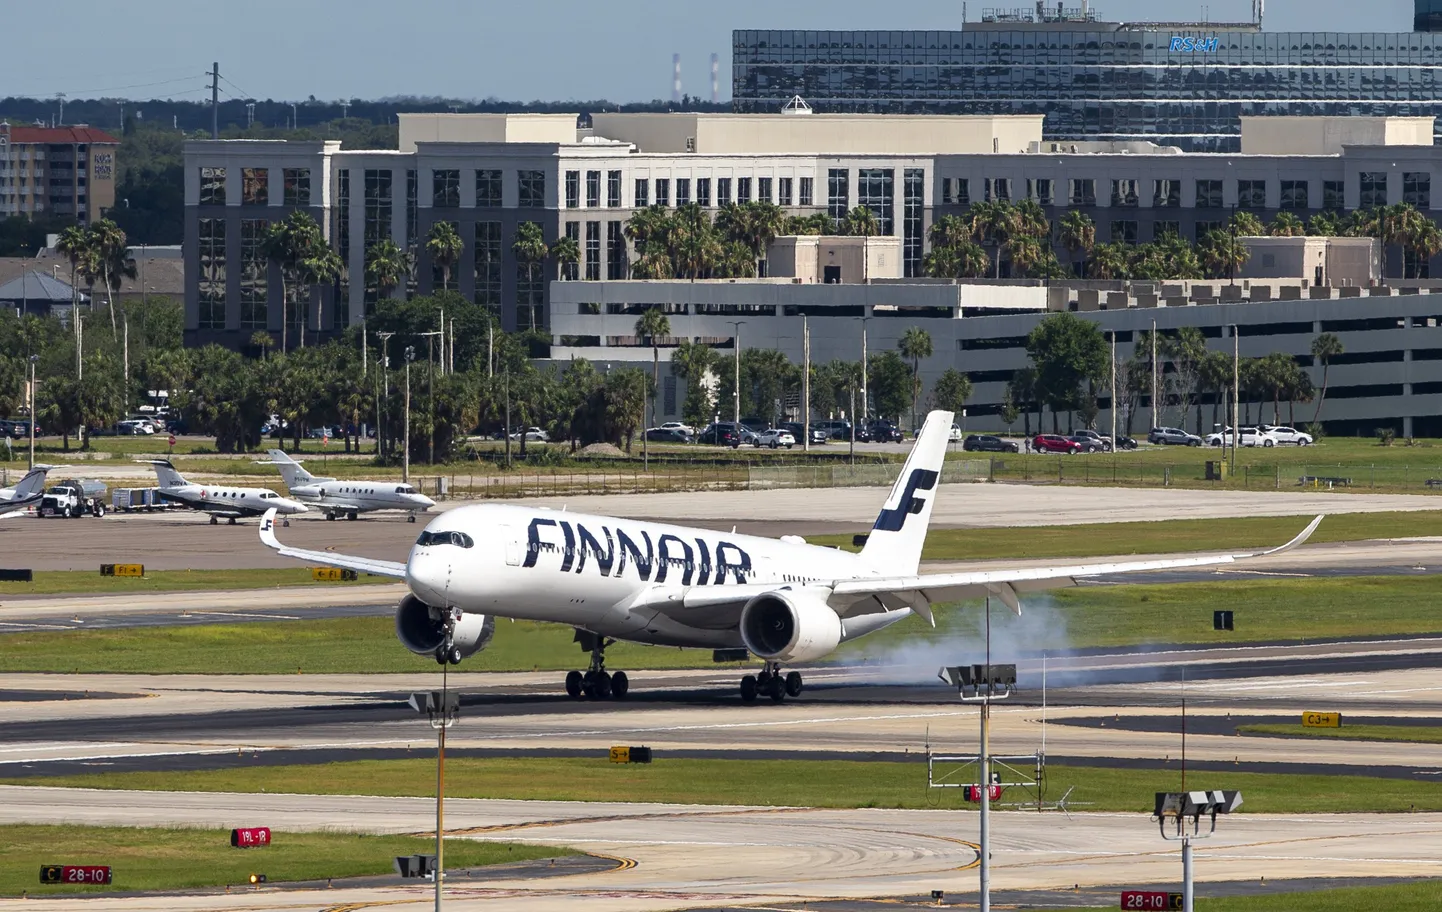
(783, 601)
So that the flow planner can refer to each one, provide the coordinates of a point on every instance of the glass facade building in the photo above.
(1175, 84)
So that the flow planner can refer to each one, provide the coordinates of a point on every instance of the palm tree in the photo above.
(444, 245)
(1324, 224)
(1324, 348)
(1424, 243)
(1245, 224)
(72, 244)
(531, 251)
(915, 343)
(263, 341)
(567, 251)
(289, 242)
(753, 224)
(694, 245)
(321, 265)
(652, 326)
(994, 222)
(387, 266)
(861, 222)
(110, 246)
(1286, 224)
(1111, 261)
(963, 260)
(1078, 234)
(1221, 254)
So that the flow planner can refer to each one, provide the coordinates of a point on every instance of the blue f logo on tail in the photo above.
(893, 519)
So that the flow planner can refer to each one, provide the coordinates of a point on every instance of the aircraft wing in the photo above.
(708, 606)
(327, 558)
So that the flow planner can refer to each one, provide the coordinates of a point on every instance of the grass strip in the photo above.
(90, 582)
(1411, 733)
(175, 859)
(789, 783)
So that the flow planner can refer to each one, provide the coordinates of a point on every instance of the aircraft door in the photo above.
(512, 544)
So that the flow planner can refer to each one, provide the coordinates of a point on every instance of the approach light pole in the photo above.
(1114, 399)
(1185, 811)
(442, 708)
(736, 386)
(33, 359)
(385, 372)
(406, 455)
(1236, 394)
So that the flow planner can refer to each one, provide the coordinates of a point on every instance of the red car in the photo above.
(1052, 443)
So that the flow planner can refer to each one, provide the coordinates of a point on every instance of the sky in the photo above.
(555, 50)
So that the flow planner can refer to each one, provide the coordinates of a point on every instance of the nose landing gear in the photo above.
(596, 683)
(770, 682)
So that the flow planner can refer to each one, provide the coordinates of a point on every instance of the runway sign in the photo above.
(250, 837)
(75, 874)
(17, 576)
(1151, 900)
(332, 575)
(630, 755)
(1321, 720)
(136, 570)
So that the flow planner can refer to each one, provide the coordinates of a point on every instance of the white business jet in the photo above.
(347, 498)
(620, 579)
(220, 501)
(26, 493)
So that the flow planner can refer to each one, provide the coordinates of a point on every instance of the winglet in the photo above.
(267, 530)
(1301, 539)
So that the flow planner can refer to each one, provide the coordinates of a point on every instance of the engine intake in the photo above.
(422, 628)
(790, 626)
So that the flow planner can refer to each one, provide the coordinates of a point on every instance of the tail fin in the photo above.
(894, 544)
(291, 470)
(33, 483)
(167, 476)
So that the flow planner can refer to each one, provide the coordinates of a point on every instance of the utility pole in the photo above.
(1155, 391)
(865, 402)
(736, 387)
(1114, 395)
(214, 75)
(406, 454)
(384, 366)
(806, 382)
(1236, 393)
(33, 359)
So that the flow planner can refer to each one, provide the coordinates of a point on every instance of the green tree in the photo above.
(693, 245)
(963, 260)
(994, 222)
(1069, 353)
(754, 225)
(1222, 255)
(952, 390)
(529, 247)
(915, 344)
(817, 223)
(697, 364)
(289, 242)
(1022, 391)
(861, 222)
(567, 251)
(1078, 234)
(387, 266)
(1111, 261)
(1286, 224)
(889, 384)
(1325, 224)
(1324, 348)
(653, 326)
(1246, 224)
(444, 245)
(73, 243)
(115, 263)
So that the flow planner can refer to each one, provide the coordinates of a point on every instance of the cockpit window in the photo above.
(459, 539)
(405, 489)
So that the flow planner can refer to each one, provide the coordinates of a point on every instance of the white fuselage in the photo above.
(588, 571)
(227, 501)
(342, 497)
(10, 503)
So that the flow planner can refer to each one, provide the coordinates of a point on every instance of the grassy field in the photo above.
(1414, 733)
(88, 582)
(174, 859)
(789, 783)
(1103, 616)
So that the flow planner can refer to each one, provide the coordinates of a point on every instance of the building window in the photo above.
(1081, 191)
(212, 270)
(807, 193)
(530, 290)
(956, 191)
(838, 193)
(1294, 194)
(783, 186)
(875, 189)
(342, 232)
(997, 188)
(663, 191)
(1415, 265)
(613, 189)
(377, 225)
(593, 251)
(763, 189)
(1166, 193)
(533, 189)
(643, 193)
(488, 265)
(913, 216)
(212, 186)
(1374, 189)
(1040, 189)
(297, 186)
(572, 271)
(413, 208)
(488, 189)
(683, 191)
(615, 250)
(446, 189)
(723, 191)
(1124, 231)
(1251, 194)
(1124, 194)
(593, 189)
(254, 187)
(1166, 229)
(703, 192)
(1334, 195)
(1417, 190)
(743, 190)
(573, 189)
(253, 268)
(1209, 194)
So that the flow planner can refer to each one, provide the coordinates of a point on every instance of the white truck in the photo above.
(73, 498)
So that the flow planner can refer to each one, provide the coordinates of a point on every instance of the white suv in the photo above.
(776, 437)
(1251, 437)
(1286, 435)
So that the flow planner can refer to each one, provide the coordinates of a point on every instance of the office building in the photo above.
(1185, 84)
(67, 172)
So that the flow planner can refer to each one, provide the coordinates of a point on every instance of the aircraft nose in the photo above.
(423, 501)
(297, 507)
(428, 575)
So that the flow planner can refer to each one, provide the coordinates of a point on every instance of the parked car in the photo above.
(775, 438)
(1173, 437)
(1055, 443)
(986, 443)
(954, 435)
(884, 432)
(134, 428)
(665, 435)
(532, 434)
(756, 424)
(1250, 437)
(1289, 436)
(1126, 443)
(798, 430)
(679, 426)
(1088, 444)
(1104, 441)
(720, 435)
(17, 428)
(324, 432)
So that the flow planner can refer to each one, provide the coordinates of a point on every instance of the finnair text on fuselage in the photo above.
(708, 563)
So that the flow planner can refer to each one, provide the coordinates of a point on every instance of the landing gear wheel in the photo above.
(455, 656)
(588, 684)
(762, 680)
(441, 656)
(411, 518)
(214, 520)
(330, 517)
(232, 521)
(620, 685)
(793, 684)
(748, 689)
(573, 684)
(351, 516)
(776, 689)
(602, 685)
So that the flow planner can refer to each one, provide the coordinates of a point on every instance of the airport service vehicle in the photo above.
(1102, 440)
(1286, 435)
(73, 498)
(1055, 443)
(346, 498)
(220, 501)
(131, 500)
(986, 443)
(1251, 437)
(27, 492)
(1173, 437)
(775, 438)
(785, 601)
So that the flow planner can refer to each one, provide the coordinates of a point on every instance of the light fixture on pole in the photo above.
(443, 709)
(385, 371)
(865, 402)
(431, 388)
(406, 443)
(1184, 812)
(736, 388)
(33, 359)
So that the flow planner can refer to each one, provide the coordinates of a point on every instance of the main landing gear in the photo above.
(596, 682)
(771, 683)
(448, 653)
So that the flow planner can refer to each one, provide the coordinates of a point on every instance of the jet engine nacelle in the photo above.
(422, 628)
(790, 626)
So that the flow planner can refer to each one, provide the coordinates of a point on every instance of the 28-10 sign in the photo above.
(1151, 900)
(75, 874)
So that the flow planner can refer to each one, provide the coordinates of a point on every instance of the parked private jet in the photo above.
(783, 601)
(347, 498)
(26, 493)
(220, 501)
